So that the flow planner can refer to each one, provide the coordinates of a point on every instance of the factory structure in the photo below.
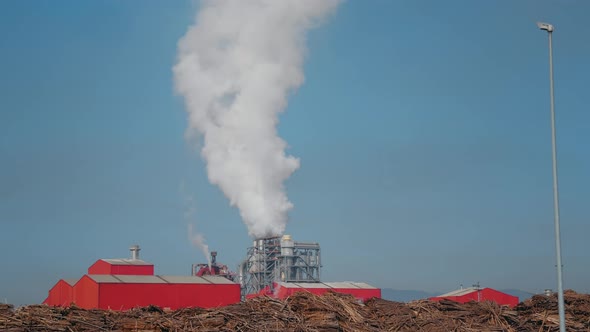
(277, 267)
(121, 284)
(213, 269)
(279, 259)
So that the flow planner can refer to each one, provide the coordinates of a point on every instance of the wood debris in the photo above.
(305, 312)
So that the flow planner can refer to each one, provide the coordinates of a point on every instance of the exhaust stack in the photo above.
(134, 252)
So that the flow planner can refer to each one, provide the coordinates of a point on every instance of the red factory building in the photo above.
(359, 290)
(62, 293)
(478, 294)
(121, 284)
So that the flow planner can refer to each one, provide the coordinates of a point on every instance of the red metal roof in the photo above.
(460, 292)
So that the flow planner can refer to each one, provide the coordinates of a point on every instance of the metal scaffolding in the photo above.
(279, 259)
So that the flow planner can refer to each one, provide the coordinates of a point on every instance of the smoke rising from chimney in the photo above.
(198, 240)
(236, 67)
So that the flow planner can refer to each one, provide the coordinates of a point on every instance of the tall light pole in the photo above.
(549, 28)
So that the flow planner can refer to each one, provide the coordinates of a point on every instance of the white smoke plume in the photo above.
(198, 240)
(236, 67)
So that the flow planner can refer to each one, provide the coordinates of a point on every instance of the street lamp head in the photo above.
(545, 26)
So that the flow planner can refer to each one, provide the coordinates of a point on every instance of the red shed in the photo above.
(122, 267)
(61, 294)
(478, 295)
(121, 292)
(360, 290)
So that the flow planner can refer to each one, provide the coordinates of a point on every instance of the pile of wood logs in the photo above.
(541, 312)
(6, 308)
(304, 312)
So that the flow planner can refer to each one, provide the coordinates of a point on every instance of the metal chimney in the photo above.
(134, 252)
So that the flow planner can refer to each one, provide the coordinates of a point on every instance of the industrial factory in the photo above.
(121, 284)
(276, 267)
(279, 267)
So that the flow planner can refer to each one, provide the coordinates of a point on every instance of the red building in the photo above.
(121, 284)
(478, 295)
(360, 290)
(122, 267)
(122, 292)
(61, 295)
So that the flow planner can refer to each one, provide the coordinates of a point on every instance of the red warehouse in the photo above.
(360, 290)
(61, 294)
(478, 295)
(121, 284)
(122, 292)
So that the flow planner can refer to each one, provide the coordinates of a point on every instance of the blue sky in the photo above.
(423, 131)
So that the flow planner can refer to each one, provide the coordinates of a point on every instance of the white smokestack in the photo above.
(236, 67)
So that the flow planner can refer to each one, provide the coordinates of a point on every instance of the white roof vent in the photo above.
(134, 252)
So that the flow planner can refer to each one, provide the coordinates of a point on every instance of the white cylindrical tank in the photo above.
(287, 245)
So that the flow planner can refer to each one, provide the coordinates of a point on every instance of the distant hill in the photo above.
(412, 295)
(404, 295)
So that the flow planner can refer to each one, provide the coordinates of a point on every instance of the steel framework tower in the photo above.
(279, 259)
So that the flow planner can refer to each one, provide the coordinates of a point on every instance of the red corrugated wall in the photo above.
(138, 270)
(66, 294)
(206, 295)
(499, 297)
(173, 296)
(362, 294)
(51, 295)
(60, 295)
(86, 293)
(127, 296)
(102, 267)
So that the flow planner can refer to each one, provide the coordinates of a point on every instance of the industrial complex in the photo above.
(280, 266)
(276, 267)
(120, 284)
